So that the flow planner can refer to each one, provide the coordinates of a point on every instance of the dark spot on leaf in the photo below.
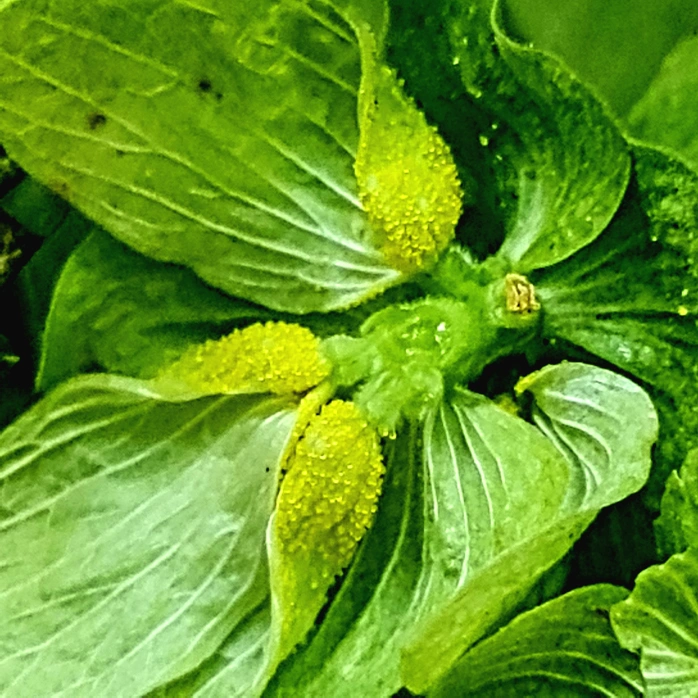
(219, 96)
(119, 153)
(59, 187)
(205, 85)
(96, 120)
(603, 612)
(266, 469)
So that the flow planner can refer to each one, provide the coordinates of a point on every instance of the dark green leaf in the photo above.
(132, 531)
(36, 208)
(563, 648)
(616, 547)
(562, 164)
(37, 281)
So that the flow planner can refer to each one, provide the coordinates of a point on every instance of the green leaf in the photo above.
(132, 531)
(234, 670)
(128, 314)
(631, 298)
(37, 280)
(562, 648)
(677, 526)
(659, 620)
(615, 46)
(38, 209)
(455, 548)
(583, 410)
(259, 201)
(601, 422)
(562, 164)
(667, 114)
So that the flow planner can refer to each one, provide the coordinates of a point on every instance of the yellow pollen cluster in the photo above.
(275, 357)
(408, 182)
(329, 495)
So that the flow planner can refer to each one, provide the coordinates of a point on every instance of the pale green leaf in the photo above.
(563, 648)
(234, 670)
(602, 469)
(561, 164)
(601, 422)
(659, 620)
(132, 531)
(221, 137)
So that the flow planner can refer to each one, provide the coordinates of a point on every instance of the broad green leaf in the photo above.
(234, 670)
(615, 46)
(222, 137)
(128, 314)
(481, 486)
(582, 409)
(561, 163)
(455, 548)
(659, 620)
(677, 526)
(259, 200)
(489, 599)
(631, 298)
(601, 422)
(132, 532)
(565, 647)
(667, 114)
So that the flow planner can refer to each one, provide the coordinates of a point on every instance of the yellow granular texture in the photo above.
(275, 357)
(407, 179)
(329, 495)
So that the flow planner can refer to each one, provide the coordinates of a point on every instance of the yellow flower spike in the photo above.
(327, 501)
(335, 476)
(275, 357)
(407, 179)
